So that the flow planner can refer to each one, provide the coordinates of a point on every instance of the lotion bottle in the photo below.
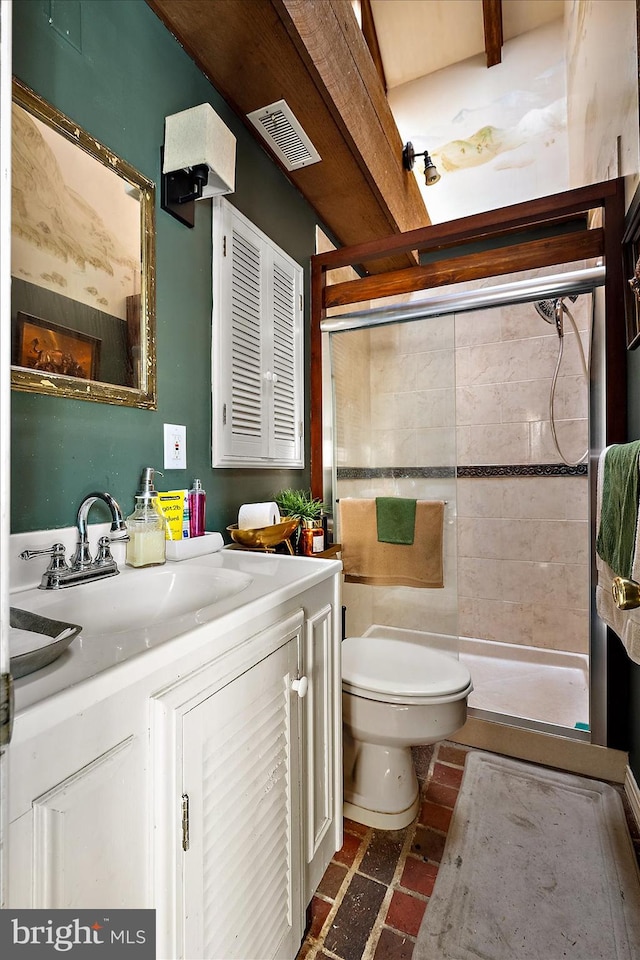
(146, 527)
(197, 508)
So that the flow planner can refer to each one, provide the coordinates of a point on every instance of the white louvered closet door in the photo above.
(240, 768)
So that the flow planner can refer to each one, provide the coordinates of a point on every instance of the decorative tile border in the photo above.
(473, 471)
(394, 473)
(524, 470)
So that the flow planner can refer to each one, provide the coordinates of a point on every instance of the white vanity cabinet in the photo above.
(78, 830)
(202, 779)
(233, 857)
(322, 742)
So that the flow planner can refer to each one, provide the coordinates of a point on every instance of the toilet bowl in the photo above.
(395, 694)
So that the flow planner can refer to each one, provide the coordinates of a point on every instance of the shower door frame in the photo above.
(585, 224)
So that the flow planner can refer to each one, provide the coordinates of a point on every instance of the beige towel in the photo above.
(365, 560)
(625, 623)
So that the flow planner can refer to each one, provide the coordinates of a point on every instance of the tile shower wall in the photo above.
(516, 545)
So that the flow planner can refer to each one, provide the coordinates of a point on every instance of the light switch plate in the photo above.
(175, 447)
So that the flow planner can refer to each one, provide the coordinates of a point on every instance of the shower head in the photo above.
(551, 310)
(547, 309)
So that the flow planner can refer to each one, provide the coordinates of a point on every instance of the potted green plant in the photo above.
(300, 504)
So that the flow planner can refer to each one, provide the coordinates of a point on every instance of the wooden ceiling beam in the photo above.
(371, 38)
(312, 54)
(329, 40)
(493, 39)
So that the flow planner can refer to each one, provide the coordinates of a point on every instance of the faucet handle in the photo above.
(103, 556)
(56, 552)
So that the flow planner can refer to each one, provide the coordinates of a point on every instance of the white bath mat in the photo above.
(538, 865)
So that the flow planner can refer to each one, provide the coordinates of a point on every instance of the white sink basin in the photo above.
(139, 599)
(200, 603)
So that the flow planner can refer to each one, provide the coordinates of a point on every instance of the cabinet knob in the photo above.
(301, 686)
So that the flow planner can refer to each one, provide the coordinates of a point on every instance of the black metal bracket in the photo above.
(180, 189)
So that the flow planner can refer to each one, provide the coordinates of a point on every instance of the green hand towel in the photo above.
(395, 519)
(619, 507)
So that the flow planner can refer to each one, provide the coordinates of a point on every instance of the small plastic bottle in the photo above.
(146, 527)
(197, 509)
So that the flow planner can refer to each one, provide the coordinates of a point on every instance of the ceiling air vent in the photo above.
(277, 124)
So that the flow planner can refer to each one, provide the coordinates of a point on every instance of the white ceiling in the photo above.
(418, 37)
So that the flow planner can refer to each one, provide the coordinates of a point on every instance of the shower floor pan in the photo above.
(543, 686)
(549, 686)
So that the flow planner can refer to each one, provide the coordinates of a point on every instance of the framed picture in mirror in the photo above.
(82, 263)
(45, 346)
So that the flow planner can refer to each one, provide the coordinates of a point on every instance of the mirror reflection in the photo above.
(82, 263)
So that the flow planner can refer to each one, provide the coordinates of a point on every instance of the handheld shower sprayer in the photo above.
(552, 311)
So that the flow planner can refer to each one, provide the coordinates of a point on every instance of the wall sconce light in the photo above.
(409, 155)
(198, 160)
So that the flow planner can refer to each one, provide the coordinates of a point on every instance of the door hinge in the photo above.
(224, 246)
(185, 821)
(300, 303)
(224, 414)
(6, 708)
(300, 428)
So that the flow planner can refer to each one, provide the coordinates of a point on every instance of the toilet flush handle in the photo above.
(301, 686)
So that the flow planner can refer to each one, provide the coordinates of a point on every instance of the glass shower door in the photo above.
(394, 432)
(486, 406)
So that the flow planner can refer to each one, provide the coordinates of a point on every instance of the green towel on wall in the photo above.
(395, 519)
(619, 507)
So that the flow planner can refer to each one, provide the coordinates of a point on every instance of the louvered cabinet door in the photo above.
(242, 882)
(256, 347)
(285, 361)
(244, 296)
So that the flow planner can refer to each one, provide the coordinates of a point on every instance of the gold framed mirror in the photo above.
(82, 263)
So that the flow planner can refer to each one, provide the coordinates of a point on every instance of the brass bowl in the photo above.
(264, 538)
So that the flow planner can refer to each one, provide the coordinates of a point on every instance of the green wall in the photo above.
(118, 73)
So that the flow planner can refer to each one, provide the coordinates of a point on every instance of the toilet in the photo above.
(396, 693)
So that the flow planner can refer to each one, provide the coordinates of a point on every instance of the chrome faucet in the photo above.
(81, 559)
(82, 567)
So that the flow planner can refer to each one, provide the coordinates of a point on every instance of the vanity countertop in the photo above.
(91, 668)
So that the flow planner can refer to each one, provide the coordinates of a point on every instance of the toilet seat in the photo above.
(399, 671)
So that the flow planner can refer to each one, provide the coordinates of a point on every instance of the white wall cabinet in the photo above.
(257, 347)
(208, 788)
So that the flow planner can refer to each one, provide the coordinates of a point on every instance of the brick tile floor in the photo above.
(371, 900)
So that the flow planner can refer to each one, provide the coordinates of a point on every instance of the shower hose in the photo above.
(560, 309)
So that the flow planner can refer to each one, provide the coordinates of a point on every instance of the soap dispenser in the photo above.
(146, 527)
